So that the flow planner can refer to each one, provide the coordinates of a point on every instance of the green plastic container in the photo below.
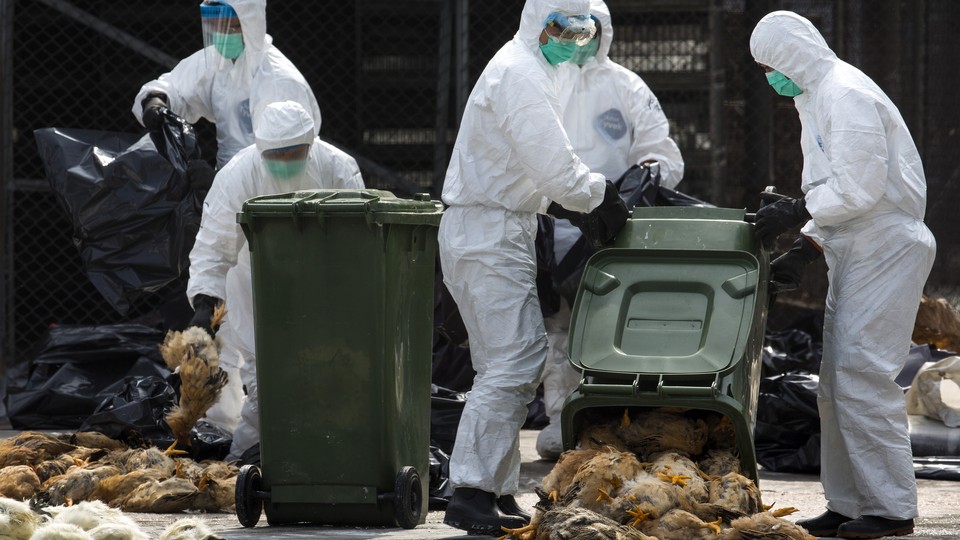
(343, 304)
(673, 315)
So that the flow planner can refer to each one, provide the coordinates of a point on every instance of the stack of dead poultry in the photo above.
(62, 470)
(662, 474)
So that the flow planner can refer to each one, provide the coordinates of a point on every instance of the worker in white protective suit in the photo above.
(286, 157)
(231, 80)
(228, 82)
(512, 159)
(863, 206)
(614, 121)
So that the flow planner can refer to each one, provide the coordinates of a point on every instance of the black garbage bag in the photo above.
(446, 407)
(790, 351)
(74, 370)
(440, 489)
(787, 434)
(134, 214)
(136, 403)
(208, 441)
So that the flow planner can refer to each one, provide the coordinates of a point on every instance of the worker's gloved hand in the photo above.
(200, 174)
(152, 109)
(203, 306)
(600, 226)
(612, 215)
(787, 269)
(777, 217)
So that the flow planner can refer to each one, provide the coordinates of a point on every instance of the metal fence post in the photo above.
(6, 176)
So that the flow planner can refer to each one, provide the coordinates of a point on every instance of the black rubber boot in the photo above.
(875, 527)
(826, 524)
(475, 511)
(508, 505)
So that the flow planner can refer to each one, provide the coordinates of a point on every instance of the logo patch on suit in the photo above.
(611, 125)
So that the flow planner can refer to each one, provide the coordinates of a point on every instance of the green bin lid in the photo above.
(377, 206)
(672, 311)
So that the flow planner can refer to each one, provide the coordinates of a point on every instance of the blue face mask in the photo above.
(228, 45)
(586, 52)
(284, 169)
(782, 85)
(557, 53)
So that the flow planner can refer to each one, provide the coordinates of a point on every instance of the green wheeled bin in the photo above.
(343, 310)
(673, 315)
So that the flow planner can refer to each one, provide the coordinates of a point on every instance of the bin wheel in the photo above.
(249, 505)
(407, 497)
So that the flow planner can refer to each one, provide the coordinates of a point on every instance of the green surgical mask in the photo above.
(283, 169)
(782, 85)
(557, 53)
(228, 45)
(586, 52)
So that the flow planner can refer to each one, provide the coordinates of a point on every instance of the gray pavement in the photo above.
(939, 508)
(939, 503)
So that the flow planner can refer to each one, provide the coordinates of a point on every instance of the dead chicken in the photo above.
(718, 462)
(188, 468)
(196, 356)
(561, 476)
(736, 492)
(149, 458)
(19, 482)
(17, 520)
(95, 439)
(55, 467)
(562, 521)
(766, 525)
(170, 496)
(937, 324)
(598, 480)
(76, 485)
(679, 470)
(31, 448)
(115, 489)
(189, 529)
(60, 531)
(681, 525)
(215, 494)
(652, 431)
(721, 434)
(600, 436)
(644, 497)
(98, 519)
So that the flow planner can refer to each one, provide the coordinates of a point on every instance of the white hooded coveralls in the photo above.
(232, 94)
(222, 246)
(865, 189)
(511, 158)
(614, 121)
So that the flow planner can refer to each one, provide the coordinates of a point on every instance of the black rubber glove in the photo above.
(203, 306)
(775, 218)
(200, 174)
(601, 226)
(152, 106)
(612, 214)
(787, 269)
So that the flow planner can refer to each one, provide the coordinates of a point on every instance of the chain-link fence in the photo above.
(392, 77)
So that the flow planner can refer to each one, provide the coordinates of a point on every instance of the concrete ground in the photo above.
(939, 508)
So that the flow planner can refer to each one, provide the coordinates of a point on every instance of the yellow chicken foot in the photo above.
(639, 516)
(786, 511)
(519, 533)
(625, 420)
(603, 496)
(674, 479)
(714, 526)
(172, 450)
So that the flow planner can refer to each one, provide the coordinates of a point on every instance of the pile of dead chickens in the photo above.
(89, 466)
(659, 474)
(88, 520)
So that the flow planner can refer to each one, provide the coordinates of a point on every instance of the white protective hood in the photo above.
(859, 156)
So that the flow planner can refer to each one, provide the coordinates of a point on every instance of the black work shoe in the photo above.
(875, 527)
(826, 524)
(475, 511)
(508, 505)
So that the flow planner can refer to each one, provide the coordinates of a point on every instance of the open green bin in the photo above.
(343, 309)
(673, 315)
